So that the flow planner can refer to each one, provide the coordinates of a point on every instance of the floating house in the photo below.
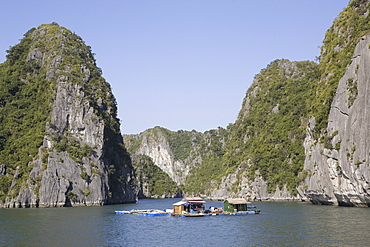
(189, 205)
(236, 205)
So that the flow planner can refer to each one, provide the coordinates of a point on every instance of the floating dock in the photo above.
(192, 215)
(155, 212)
(242, 213)
(148, 212)
(195, 207)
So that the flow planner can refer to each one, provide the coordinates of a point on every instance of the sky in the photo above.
(180, 64)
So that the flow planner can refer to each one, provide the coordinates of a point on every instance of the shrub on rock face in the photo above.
(86, 192)
(84, 176)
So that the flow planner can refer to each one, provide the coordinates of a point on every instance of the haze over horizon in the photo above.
(180, 64)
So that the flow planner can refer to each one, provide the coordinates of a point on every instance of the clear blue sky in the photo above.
(180, 64)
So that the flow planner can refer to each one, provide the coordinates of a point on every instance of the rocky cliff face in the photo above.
(339, 171)
(237, 185)
(155, 144)
(82, 160)
(157, 148)
(153, 182)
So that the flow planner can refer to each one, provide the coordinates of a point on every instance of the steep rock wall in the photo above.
(237, 185)
(158, 149)
(339, 171)
(155, 145)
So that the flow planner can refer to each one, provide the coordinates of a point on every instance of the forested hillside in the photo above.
(153, 182)
(270, 128)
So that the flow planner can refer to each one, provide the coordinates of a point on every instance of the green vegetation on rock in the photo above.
(154, 182)
(336, 53)
(25, 103)
(275, 124)
(211, 149)
(181, 142)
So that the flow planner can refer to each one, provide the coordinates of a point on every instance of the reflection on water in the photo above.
(279, 224)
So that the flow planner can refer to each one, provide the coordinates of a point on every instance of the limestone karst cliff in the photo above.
(337, 157)
(174, 152)
(155, 144)
(339, 168)
(60, 138)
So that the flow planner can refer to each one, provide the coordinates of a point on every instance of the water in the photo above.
(279, 224)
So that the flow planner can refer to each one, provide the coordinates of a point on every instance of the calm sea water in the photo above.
(279, 224)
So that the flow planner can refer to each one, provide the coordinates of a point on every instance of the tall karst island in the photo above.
(60, 140)
(303, 131)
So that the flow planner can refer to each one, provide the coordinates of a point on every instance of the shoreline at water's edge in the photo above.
(8, 205)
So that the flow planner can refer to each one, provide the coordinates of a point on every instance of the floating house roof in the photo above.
(237, 201)
(179, 203)
(195, 199)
